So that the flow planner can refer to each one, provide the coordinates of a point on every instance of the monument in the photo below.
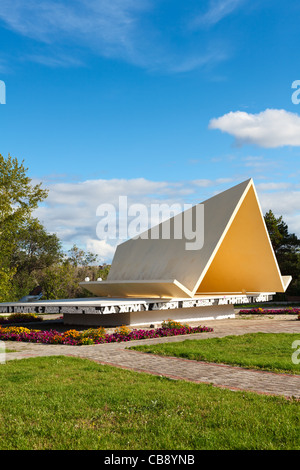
(155, 278)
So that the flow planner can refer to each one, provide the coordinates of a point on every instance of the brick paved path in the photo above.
(234, 378)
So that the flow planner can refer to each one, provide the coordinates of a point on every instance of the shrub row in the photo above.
(20, 318)
(281, 311)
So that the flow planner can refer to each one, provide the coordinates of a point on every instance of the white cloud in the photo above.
(282, 203)
(104, 250)
(269, 129)
(109, 28)
(59, 60)
(122, 29)
(259, 164)
(218, 9)
(203, 183)
(43, 20)
(285, 203)
(70, 208)
(273, 186)
(194, 62)
(206, 183)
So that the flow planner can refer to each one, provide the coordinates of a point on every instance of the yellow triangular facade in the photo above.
(245, 261)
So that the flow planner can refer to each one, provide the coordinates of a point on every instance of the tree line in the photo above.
(286, 247)
(30, 256)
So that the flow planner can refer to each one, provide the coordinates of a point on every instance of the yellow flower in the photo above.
(15, 329)
(72, 334)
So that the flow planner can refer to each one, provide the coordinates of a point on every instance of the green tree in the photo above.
(6, 277)
(78, 257)
(35, 250)
(103, 271)
(58, 281)
(286, 247)
(18, 199)
(62, 281)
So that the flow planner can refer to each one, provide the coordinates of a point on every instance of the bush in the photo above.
(16, 330)
(20, 318)
(281, 311)
(122, 330)
(94, 333)
(166, 324)
(85, 341)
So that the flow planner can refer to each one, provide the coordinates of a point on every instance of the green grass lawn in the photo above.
(266, 351)
(70, 403)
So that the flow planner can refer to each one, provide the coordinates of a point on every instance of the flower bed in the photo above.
(20, 318)
(92, 336)
(281, 311)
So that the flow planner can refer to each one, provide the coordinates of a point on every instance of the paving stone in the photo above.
(233, 378)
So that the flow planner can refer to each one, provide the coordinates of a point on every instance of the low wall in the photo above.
(137, 312)
(154, 317)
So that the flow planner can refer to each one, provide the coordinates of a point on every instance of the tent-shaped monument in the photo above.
(153, 278)
(236, 257)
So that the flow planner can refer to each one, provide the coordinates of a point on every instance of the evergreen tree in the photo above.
(287, 249)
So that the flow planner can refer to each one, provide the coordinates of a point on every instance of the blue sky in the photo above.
(154, 100)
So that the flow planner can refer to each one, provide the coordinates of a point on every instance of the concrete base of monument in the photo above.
(106, 311)
(155, 317)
